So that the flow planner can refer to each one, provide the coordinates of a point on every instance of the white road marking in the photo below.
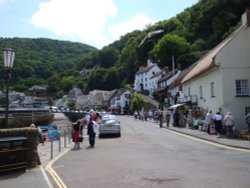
(46, 177)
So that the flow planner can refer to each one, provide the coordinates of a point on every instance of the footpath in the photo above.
(37, 177)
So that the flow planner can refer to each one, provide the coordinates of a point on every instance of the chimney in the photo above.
(149, 62)
(246, 17)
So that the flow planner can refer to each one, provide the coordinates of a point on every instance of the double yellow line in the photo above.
(53, 173)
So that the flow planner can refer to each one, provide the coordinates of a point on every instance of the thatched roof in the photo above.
(206, 63)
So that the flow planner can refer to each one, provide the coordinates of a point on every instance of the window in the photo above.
(127, 96)
(242, 88)
(201, 92)
(189, 91)
(212, 89)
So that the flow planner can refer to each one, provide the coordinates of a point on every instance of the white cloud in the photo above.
(139, 22)
(75, 19)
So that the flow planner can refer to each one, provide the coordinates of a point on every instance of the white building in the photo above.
(220, 80)
(142, 77)
(119, 103)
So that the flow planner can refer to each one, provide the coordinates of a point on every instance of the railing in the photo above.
(53, 146)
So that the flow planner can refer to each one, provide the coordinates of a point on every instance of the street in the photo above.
(148, 156)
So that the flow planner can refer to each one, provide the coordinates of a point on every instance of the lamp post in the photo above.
(8, 57)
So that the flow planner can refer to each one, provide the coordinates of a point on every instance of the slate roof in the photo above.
(145, 69)
(157, 74)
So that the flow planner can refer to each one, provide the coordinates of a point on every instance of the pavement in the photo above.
(38, 178)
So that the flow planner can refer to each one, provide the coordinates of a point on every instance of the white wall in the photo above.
(208, 102)
(144, 79)
(234, 61)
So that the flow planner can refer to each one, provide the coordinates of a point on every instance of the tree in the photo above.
(168, 46)
(67, 83)
(137, 102)
(129, 61)
(53, 85)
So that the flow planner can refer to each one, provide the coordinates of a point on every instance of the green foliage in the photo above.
(186, 37)
(53, 84)
(170, 45)
(137, 102)
(36, 60)
(67, 83)
(71, 105)
(106, 57)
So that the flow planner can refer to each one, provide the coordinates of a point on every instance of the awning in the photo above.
(175, 106)
(114, 108)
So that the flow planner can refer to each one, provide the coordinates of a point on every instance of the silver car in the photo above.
(109, 126)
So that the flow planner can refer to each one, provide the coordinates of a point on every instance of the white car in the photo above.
(109, 126)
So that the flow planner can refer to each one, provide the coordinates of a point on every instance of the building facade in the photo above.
(220, 80)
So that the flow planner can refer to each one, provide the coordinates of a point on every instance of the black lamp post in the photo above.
(8, 57)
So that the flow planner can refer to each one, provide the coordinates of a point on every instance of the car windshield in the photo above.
(109, 121)
(107, 117)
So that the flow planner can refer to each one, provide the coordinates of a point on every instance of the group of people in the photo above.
(90, 121)
(215, 123)
(148, 115)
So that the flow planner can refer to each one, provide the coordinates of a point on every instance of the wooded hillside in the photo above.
(186, 36)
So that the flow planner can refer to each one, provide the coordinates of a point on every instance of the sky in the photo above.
(93, 22)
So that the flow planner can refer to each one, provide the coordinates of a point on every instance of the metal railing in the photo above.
(53, 146)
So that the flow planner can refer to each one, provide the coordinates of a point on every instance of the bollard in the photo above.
(59, 142)
(51, 148)
(64, 138)
(69, 136)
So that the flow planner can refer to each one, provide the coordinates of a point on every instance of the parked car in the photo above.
(109, 126)
(51, 131)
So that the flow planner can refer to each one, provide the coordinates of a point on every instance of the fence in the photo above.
(52, 147)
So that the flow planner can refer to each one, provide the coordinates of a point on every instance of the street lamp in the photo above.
(8, 57)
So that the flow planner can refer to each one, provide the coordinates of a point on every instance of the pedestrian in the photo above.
(135, 115)
(248, 122)
(92, 130)
(150, 115)
(176, 118)
(229, 123)
(209, 122)
(218, 123)
(146, 116)
(168, 115)
(160, 117)
(77, 134)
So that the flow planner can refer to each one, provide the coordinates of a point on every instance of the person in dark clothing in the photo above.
(176, 118)
(92, 129)
(218, 123)
(160, 116)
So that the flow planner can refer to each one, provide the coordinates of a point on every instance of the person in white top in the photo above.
(229, 123)
(209, 121)
(218, 123)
